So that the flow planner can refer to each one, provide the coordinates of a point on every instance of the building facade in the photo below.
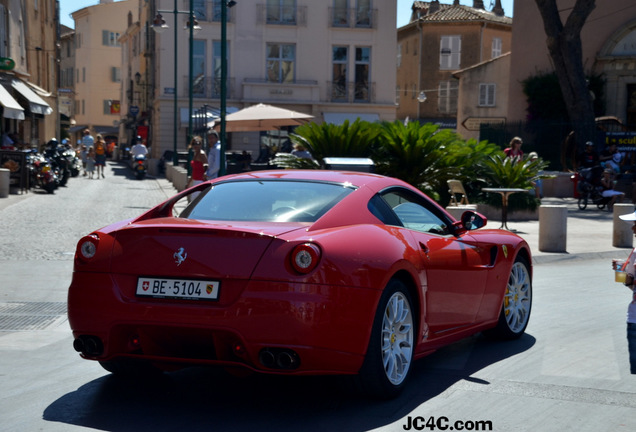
(609, 49)
(28, 71)
(440, 40)
(483, 95)
(98, 67)
(66, 90)
(334, 60)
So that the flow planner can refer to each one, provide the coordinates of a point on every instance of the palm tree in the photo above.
(355, 139)
(417, 154)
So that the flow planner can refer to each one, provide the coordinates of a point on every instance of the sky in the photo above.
(403, 9)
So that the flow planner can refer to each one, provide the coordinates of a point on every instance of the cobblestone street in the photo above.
(39, 226)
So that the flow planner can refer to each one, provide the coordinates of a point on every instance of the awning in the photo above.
(37, 105)
(106, 130)
(339, 118)
(12, 108)
(77, 128)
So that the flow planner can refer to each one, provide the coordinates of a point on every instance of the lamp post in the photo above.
(159, 25)
(224, 6)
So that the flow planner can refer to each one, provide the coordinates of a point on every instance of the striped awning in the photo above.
(37, 105)
(12, 108)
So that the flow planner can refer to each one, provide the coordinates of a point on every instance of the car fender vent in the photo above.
(494, 250)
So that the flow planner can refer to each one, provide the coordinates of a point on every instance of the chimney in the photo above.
(434, 7)
(498, 10)
(455, 2)
(478, 4)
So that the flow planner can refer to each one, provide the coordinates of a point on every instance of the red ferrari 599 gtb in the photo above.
(296, 272)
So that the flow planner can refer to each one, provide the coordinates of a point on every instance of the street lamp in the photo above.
(159, 25)
(224, 6)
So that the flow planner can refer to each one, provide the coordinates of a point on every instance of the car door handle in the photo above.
(424, 248)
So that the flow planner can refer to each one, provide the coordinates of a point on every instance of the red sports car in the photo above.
(296, 272)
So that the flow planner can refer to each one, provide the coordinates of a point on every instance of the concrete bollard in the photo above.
(622, 235)
(5, 181)
(553, 228)
(458, 211)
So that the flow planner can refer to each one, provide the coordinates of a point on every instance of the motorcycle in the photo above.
(74, 163)
(139, 166)
(41, 174)
(59, 161)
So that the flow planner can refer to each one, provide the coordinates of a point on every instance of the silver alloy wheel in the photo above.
(397, 338)
(517, 300)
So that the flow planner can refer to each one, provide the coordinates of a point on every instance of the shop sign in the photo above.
(625, 141)
(6, 63)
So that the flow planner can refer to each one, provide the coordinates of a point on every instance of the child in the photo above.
(631, 309)
(90, 162)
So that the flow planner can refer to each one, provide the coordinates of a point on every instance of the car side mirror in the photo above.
(472, 220)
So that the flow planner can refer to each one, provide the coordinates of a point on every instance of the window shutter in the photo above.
(456, 49)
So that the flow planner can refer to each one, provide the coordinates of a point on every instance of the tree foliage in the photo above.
(506, 172)
(424, 156)
(329, 140)
(545, 101)
(417, 154)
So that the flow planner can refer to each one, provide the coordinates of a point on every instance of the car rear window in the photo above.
(267, 201)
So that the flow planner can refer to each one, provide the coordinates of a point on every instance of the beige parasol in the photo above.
(262, 117)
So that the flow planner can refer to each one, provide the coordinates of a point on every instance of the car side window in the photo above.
(413, 213)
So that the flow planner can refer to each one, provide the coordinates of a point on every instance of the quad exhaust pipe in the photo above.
(91, 346)
(279, 358)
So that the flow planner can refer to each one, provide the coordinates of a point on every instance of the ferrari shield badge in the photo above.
(504, 248)
(180, 256)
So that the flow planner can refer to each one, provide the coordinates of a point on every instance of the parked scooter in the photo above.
(74, 163)
(59, 161)
(41, 173)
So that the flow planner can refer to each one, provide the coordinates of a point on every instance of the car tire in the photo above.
(516, 305)
(389, 356)
(130, 368)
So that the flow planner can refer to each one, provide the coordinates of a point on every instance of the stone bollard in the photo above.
(622, 235)
(553, 228)
(458, 211)
(5, 181)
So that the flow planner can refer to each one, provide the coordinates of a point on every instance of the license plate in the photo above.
(187, 289)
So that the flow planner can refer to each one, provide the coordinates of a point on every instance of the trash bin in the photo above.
(5, 179)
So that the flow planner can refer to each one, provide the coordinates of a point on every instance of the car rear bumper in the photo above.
(326, 327)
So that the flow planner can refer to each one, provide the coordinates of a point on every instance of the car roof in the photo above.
(357, 179)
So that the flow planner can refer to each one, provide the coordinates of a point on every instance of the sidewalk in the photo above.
(589, 233)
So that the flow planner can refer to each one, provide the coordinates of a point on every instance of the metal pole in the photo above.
(223, 82)
(175, 156)
(191, 63)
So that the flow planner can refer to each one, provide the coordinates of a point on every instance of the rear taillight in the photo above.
(305, 257)
(87, 247)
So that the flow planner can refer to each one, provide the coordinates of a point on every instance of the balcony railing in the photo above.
(290, 16)
(208, 87)
(351, 92)
(353, 17)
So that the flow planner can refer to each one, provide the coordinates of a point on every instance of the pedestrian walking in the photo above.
(83, 154)
(100, 155)
(90, 162)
